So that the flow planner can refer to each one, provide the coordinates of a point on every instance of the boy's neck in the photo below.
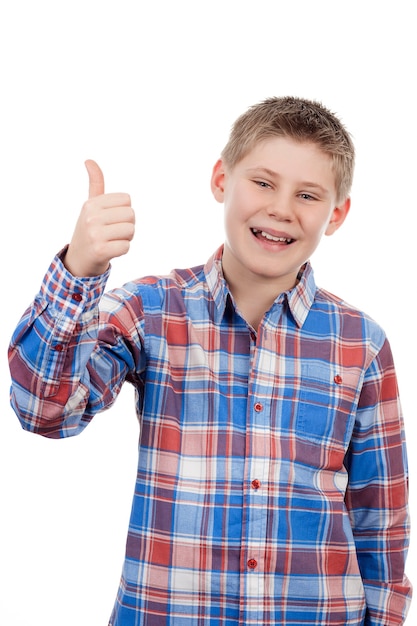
(254, 298)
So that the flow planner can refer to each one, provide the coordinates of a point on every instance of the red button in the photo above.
(256, 483)
(252, 563)
(258, 407)
(338, 379)
(58, 347)
(77, 297)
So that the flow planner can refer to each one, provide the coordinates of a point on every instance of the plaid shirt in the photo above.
(272, 482)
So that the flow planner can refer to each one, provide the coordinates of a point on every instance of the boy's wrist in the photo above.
(79, 268)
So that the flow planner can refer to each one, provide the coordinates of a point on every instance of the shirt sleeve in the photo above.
(377, 494)
(68, 360)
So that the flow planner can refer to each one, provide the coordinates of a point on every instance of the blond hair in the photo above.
(298, 119)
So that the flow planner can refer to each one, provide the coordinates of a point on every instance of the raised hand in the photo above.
(104, 229)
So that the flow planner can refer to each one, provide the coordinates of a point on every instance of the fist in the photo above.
(104, 229)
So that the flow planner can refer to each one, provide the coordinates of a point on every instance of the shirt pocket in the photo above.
(327, 403)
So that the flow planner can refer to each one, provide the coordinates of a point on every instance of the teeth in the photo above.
(271, 237)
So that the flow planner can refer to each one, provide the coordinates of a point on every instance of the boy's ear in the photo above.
(217, 181)
(338, 217)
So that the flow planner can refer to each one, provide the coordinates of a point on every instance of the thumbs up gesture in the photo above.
(104, 229)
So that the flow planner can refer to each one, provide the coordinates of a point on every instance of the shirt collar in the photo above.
(217, 284)
(300, 298)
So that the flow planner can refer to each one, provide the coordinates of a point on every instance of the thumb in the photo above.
(95, 178)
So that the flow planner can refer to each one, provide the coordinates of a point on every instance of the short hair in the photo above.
(298, 119)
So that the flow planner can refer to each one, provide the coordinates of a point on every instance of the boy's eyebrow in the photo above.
(264, 170)
(272, 174)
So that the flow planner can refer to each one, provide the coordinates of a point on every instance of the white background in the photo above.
(150, 90)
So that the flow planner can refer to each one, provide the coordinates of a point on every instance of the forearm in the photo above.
(49, 353)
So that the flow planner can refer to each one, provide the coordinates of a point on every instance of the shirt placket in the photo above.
(257, 470)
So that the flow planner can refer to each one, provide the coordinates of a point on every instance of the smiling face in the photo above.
(279, 200)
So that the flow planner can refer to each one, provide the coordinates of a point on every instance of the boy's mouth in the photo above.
(263, 234)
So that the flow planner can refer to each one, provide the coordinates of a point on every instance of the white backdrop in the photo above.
(149, 90)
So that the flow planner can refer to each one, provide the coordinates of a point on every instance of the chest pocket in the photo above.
(327, 403)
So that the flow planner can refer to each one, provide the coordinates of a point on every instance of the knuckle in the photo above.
(88, 206)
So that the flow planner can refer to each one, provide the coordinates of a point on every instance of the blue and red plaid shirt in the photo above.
(272, 482)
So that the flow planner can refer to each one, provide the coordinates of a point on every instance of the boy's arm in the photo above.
(377, 494)
(62, 372)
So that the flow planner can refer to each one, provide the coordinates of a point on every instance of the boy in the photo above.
(272, 482)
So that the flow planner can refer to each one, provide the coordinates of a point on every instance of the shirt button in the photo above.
(252, 563)
(338, 379)
(258, 407)
(77, 297)
(58, 347)
(256, 483)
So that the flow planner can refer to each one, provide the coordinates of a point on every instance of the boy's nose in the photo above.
(281, 209)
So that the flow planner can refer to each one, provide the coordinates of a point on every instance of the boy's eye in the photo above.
(262, 183)
(307, 196)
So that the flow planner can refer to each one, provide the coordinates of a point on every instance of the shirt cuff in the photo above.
(67, 294)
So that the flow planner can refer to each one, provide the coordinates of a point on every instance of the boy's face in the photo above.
(279, 200)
